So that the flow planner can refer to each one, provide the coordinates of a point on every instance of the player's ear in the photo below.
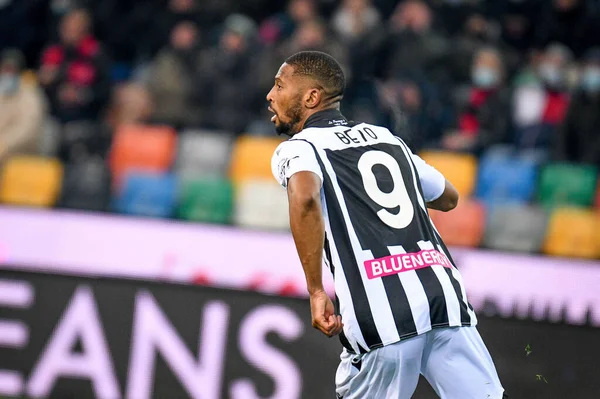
(313, 98)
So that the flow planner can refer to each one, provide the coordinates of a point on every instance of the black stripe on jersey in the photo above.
(360, 301)
(327, 249)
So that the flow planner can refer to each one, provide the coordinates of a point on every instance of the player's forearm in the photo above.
(306, 222)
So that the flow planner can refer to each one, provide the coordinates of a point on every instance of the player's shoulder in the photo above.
(292, 147)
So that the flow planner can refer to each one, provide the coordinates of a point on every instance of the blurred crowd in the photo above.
(460, 75)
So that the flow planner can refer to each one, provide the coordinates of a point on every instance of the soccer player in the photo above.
(358, 201)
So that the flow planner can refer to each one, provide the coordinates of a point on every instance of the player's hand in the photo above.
(324, 318)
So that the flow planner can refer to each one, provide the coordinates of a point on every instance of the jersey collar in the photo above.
(326, 118)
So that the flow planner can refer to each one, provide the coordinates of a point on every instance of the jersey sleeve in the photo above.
(433, 182)
(291, 157)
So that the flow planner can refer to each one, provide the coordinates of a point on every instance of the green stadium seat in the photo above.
(207, 200)
(563, 184)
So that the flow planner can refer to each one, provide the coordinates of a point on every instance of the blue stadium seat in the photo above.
(147, 194)
(506, 178)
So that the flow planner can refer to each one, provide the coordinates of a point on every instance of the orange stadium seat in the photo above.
(459, 169)
(573, 232)
(140, 147)
(463, 226)
(251, 158)
(31, 181)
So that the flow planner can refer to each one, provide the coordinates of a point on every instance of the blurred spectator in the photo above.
(22, 108)
(477, 33)
(541, 99)
(281, 26)
(578, 139)
(485, 117)
(355, 18)
(570, 22)
(414, 114)
(411, 47)
(74, 72)
(131, 103)
(312, 35)
(172, 79)
(160, 30)
(517, 22)
(227, 84)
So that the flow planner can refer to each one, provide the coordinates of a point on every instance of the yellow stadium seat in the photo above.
(31, 181)
(573, 232)
(459, 169)
(251, 158)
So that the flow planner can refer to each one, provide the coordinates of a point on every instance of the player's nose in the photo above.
(270, 96)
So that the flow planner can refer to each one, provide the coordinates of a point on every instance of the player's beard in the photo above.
(294, 116)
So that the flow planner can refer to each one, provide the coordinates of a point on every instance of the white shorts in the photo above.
(454, 360)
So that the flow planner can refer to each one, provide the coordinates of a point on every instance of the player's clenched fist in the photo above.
(324, 318)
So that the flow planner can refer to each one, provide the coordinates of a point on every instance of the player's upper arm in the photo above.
(294, 156)
(438, 192)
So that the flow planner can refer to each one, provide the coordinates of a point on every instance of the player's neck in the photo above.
(330, 107)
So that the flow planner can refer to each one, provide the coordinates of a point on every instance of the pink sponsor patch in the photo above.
(395, 264)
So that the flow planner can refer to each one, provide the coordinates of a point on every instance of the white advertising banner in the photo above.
(555, 289)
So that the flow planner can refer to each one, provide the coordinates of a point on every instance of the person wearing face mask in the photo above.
(578, 140)
(541, 107)
(22, 108)
(484, 118)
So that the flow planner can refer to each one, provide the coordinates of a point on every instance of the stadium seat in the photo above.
(573, 232)
(460, 169)
(261, 204)
(79, 139)
(463, 226)
(206, 200)
(506, 178)
(515, 227)
(251, 158)
(597, 201)
(86, 185)
(567, 184)
(140, 147)
(203, 153)
(147, 194)
(31, 181)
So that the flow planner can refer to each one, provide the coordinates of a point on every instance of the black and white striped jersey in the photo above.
(394, 277)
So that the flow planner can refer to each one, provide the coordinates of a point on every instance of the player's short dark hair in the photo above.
(321, 67)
